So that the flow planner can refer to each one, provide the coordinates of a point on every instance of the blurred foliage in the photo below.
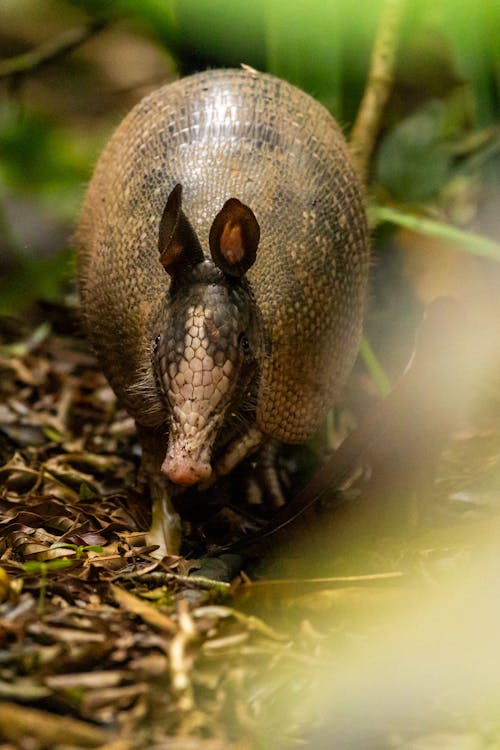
(43, 164)
(414, 159)
(36, 155)
(325, 47)
(438, 149)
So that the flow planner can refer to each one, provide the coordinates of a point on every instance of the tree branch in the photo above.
(28, 62)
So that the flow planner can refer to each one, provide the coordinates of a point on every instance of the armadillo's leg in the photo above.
(236, 451)
(165, 530)
(268, 482)
(267, 460)
(265, 484)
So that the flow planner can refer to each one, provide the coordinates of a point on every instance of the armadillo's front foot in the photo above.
(235, 452)
(165, 530)
(262, 485)
(266, 484)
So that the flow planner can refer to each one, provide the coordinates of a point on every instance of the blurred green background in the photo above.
(437, 153)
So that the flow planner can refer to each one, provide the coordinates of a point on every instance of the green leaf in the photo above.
(32, 566)
(57, 564)
(414, 162)
(86, 492)
(52, 434)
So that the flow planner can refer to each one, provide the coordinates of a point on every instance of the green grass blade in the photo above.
(468, 241)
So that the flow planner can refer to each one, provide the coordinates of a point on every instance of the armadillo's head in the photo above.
(206, 356)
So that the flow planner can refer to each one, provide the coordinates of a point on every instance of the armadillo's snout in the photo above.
(197, 364)
(184, 470)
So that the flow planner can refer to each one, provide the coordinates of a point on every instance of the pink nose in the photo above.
(183, 471)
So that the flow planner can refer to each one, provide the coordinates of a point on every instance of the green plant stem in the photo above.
(42, 592)
(378, 87)
(374, 367)
(468, 241)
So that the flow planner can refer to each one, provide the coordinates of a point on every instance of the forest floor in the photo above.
(342, 638)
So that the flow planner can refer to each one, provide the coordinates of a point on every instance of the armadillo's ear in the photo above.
(177, 242)
(234, 237)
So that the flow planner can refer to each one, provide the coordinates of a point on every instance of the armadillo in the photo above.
(223, 263)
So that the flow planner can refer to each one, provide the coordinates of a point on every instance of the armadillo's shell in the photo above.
(252, 136)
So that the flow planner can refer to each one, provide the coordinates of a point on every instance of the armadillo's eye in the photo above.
(244, 344)
(156, 344)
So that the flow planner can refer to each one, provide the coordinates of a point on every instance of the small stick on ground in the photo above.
(378, 87)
